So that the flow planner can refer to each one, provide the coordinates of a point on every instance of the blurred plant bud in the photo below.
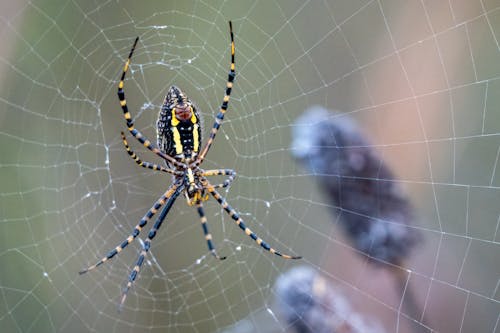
(375, 212)
(308, 303)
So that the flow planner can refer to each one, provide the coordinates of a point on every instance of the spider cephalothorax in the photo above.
(179, 141)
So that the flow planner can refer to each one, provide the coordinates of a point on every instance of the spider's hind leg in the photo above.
(145, 164)
(225, 101)
(128, 117)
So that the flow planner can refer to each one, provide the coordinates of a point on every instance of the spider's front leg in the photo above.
(147, 243)
(240, 223)
(166, 197)
(208, 235)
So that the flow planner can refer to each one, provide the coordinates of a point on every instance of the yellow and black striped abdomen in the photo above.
(178, 138)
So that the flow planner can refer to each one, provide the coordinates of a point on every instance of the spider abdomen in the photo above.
(178, 126)
(189, 137)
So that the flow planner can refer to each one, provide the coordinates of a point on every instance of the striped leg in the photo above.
(221, 172)
(236, 217)
(225, 101)
(208, 235)
(137, 229)
(147, 243)
(144, 164)
(130, 123)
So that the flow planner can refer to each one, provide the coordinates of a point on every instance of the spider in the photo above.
(178, 144)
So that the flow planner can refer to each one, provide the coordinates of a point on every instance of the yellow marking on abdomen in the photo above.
(177, 136)
(193, 117)
(177, 140)
(195, 138)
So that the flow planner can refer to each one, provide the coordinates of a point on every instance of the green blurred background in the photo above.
(421, 77)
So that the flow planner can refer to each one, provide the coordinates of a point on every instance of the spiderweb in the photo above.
(422, 78)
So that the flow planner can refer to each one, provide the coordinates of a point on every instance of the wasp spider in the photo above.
(179, 145)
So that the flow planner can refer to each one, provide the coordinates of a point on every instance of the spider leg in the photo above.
(239, 221)
(220, 116)
(147, 243)
(208, 235)
(145, 164)
(137, 229)
(130, 123)
(221, 172)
